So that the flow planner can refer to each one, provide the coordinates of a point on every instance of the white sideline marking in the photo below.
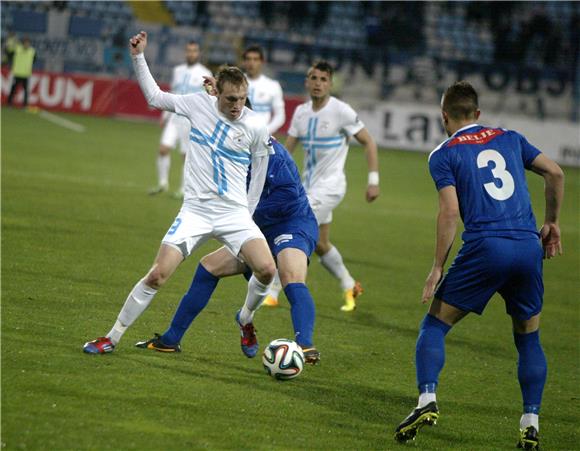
(62, 121)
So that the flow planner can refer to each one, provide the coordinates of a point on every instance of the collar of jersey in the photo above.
(462, 129)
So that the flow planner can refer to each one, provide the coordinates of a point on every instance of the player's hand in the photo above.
(431, 283)
(373, 192)
(138, 43)
(210, 85)
(550, 235)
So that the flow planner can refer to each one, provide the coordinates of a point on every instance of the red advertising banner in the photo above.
(100, 96)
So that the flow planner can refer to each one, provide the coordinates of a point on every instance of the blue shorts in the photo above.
(297, 233)
(511, 267)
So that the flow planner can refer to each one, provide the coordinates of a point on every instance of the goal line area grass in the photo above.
(79, 230)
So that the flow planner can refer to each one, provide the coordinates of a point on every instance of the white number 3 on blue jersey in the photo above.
(499, 172)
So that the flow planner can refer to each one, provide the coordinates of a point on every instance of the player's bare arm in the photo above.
(446, 228)
(366, 140)
(554, 194)
(290, 144)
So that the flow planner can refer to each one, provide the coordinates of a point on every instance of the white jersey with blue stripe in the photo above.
(325, 136)
(220, 150)
(267, 99)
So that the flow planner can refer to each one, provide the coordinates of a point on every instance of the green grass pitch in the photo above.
(78, 230)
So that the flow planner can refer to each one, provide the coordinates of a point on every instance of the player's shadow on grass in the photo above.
(382, 409)
(391, 328)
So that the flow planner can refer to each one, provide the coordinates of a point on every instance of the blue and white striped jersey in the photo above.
(325, 136)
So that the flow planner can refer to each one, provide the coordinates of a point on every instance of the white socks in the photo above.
(257, 291)
(275, 286)
(332, 261)
(163, 165)
(138, 300)
(530, 419)
(426, 398)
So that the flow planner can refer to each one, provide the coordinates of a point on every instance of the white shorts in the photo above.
(176, 130)
(322, 205)
(194, 225)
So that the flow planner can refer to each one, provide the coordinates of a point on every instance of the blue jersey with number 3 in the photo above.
(487, 167)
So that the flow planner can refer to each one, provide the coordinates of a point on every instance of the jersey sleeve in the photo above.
(185, 105)
(293, 130)
(350, 120)
(174, 81)
(529, 152)
(278, 110)
(262, 144)
(440, 169)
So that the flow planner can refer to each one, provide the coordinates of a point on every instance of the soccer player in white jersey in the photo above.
(187, 79)
(265, 94)
(324, 126)
(225, 137)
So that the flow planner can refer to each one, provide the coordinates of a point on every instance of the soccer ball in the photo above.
(283, 359)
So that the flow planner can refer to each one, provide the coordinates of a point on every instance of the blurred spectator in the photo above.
(9, 48)
(22, 63)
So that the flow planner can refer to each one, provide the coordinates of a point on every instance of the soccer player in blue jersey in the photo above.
(479, 173)
(289, 225)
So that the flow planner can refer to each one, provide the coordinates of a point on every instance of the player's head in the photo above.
(192, 53)
(459, 106)
(26, 41)
(232, 91)
(253, 58)
(319, 80)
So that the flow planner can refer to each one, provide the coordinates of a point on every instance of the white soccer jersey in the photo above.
(267, 100)
(220, 151)
(325, 135)
(189, 79)
(219, 155)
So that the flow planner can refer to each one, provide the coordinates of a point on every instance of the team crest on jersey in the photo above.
(238, 137)
(324, 125)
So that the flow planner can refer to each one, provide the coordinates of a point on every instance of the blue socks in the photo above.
(430, 353)
(430, 358)
(532, 370)
(302, 311)
(194, 301)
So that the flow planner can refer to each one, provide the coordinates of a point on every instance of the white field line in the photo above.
(61, 121)
(72, 179)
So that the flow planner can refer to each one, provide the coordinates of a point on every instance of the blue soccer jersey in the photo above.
(487, 167)
(283, 197)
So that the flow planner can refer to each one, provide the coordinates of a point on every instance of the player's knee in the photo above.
(210, 266)
(291, 276)
(265, 272)
(156, 277)
(322, 247)
(164, 150)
